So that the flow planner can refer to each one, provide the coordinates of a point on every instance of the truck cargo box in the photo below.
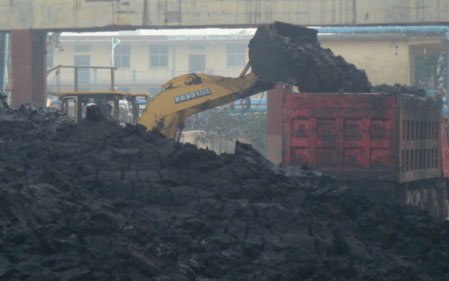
(379, 136)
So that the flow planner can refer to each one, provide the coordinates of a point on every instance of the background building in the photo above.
(147, 59)
(410, 59)
(144, 61)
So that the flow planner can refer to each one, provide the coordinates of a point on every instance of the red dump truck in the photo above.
(388, 145)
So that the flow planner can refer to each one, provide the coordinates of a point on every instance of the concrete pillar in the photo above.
(275, 100)
(29, 77)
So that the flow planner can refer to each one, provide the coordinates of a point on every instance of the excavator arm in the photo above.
(188, 94)
(270, 52)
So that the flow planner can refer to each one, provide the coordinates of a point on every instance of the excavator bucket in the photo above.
(267, 49)
(283, 52)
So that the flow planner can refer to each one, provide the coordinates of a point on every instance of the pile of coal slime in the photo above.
(94, 201)
(292, 54)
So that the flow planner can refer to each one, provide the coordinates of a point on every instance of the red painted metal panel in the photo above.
(346, 135)
(375, 136)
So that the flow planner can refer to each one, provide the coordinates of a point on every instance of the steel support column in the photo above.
(3, 60)
(29, 79)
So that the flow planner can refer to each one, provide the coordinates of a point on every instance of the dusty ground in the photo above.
(98, 202)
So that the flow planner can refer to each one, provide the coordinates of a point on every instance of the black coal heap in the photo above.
(94, 201)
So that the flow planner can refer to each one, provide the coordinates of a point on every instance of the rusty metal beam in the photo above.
(128, 14)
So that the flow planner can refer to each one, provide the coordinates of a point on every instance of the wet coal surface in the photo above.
(398, 88)
(95, 201)
(292, 54)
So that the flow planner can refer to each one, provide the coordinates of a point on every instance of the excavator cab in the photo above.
(116, 106)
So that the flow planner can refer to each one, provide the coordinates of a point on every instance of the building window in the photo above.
(50, 51)
(83, 73)
(236, 55)
(82, 48)
(122, 55)
(159, 56)
(197, 63)
(427, 73)
(197, 47)
(154, 90)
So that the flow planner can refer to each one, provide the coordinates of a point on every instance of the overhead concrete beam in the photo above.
(126, 14)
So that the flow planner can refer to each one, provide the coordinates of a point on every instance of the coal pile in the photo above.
(95, 201)
(398, 88)
(292, 54)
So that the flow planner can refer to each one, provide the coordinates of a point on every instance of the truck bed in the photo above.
(379, 136)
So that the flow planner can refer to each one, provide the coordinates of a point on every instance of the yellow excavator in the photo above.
(189, 94)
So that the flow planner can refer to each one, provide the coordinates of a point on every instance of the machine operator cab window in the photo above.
(68, 106)
(119, 108)
(105, 104)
